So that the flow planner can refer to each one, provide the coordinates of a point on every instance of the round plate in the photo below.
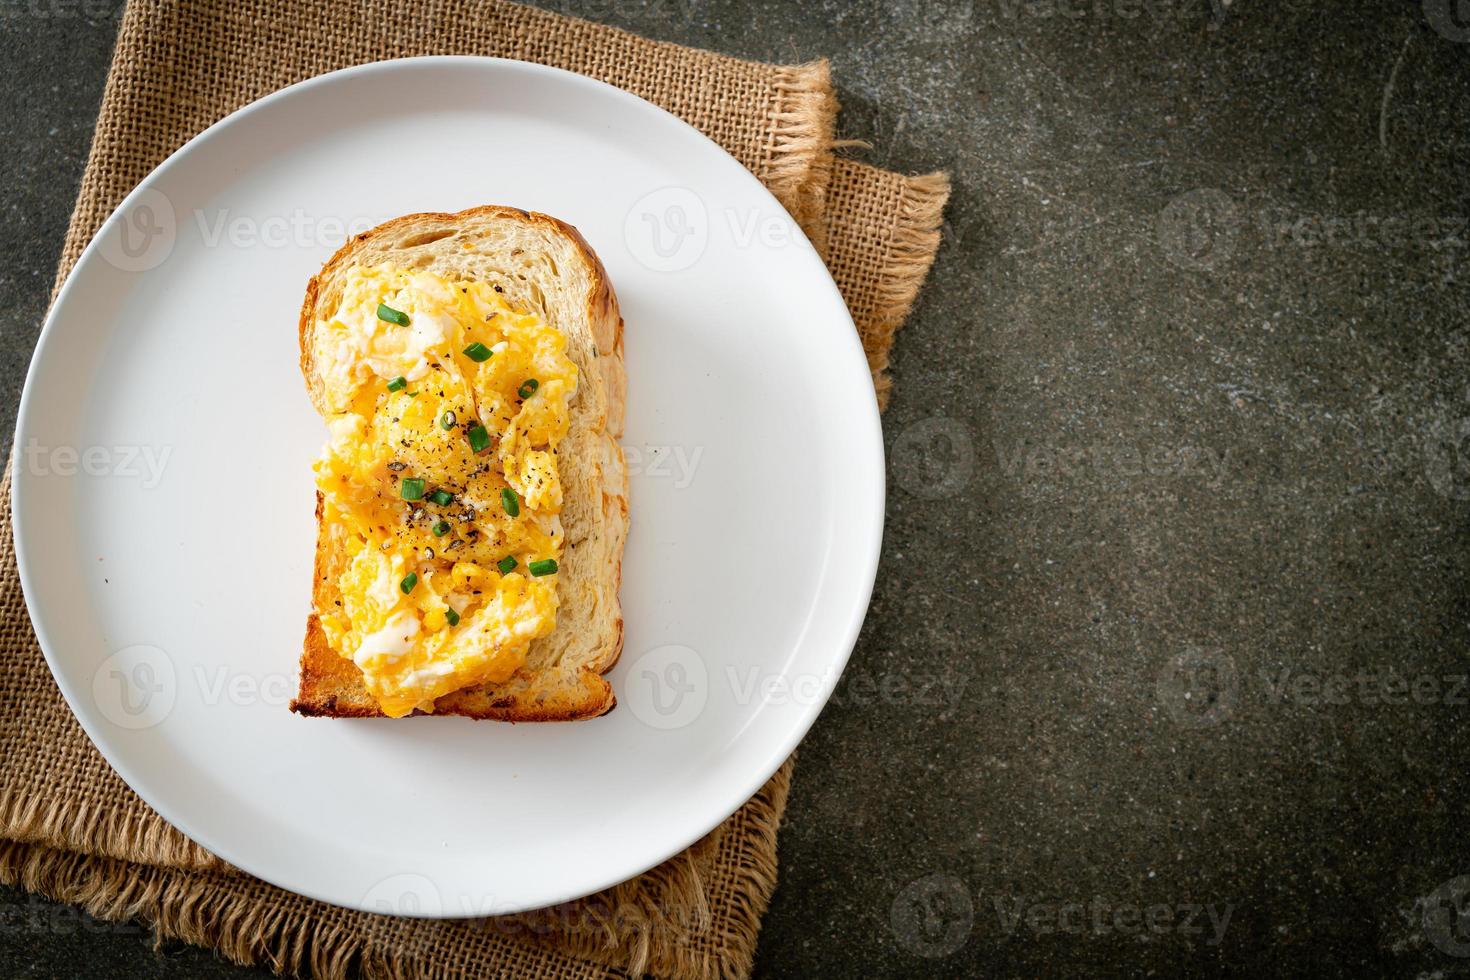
(163, 495)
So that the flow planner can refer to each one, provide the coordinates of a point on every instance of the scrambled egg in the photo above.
(445, 406)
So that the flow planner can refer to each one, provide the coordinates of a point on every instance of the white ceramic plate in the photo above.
(163, 496)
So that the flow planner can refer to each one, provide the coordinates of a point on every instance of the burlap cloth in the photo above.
(73, 830)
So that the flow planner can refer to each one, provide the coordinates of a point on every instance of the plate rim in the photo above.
(852, 351)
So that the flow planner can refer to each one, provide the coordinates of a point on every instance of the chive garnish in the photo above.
(441, 497)
(388, 313)
(510, 502)
(528, 388)
(409, 581)
(398, 383)
(446, 421)
(478, 352)
(452, 617)
(506, 564)
(546, 566)
(411, 488)
(479, 438)
(441, 529)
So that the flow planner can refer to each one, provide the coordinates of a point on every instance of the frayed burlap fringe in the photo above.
(798, 150)
(911, 250)
(748, 903)
(104, 830)
(203, 911)
(290, 936)
(732, 952)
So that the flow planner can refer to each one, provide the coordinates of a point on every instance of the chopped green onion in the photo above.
(411, 489)
(546, 566)
(479, 438)
(452, 617)
(478, 352)
(409, 581)
(441, 529)
(446, 421)
(506, 564)
(528, 388)
(398, 383)
(510, 502)
(441, 497)
(388, 313)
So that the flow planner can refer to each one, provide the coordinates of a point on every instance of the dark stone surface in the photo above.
(1178, 499)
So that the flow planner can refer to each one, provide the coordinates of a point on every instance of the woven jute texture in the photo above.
(72, 830)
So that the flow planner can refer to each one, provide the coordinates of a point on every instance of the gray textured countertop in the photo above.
(1190, 378)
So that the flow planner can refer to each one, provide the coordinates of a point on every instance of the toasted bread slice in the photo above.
(546, 266)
